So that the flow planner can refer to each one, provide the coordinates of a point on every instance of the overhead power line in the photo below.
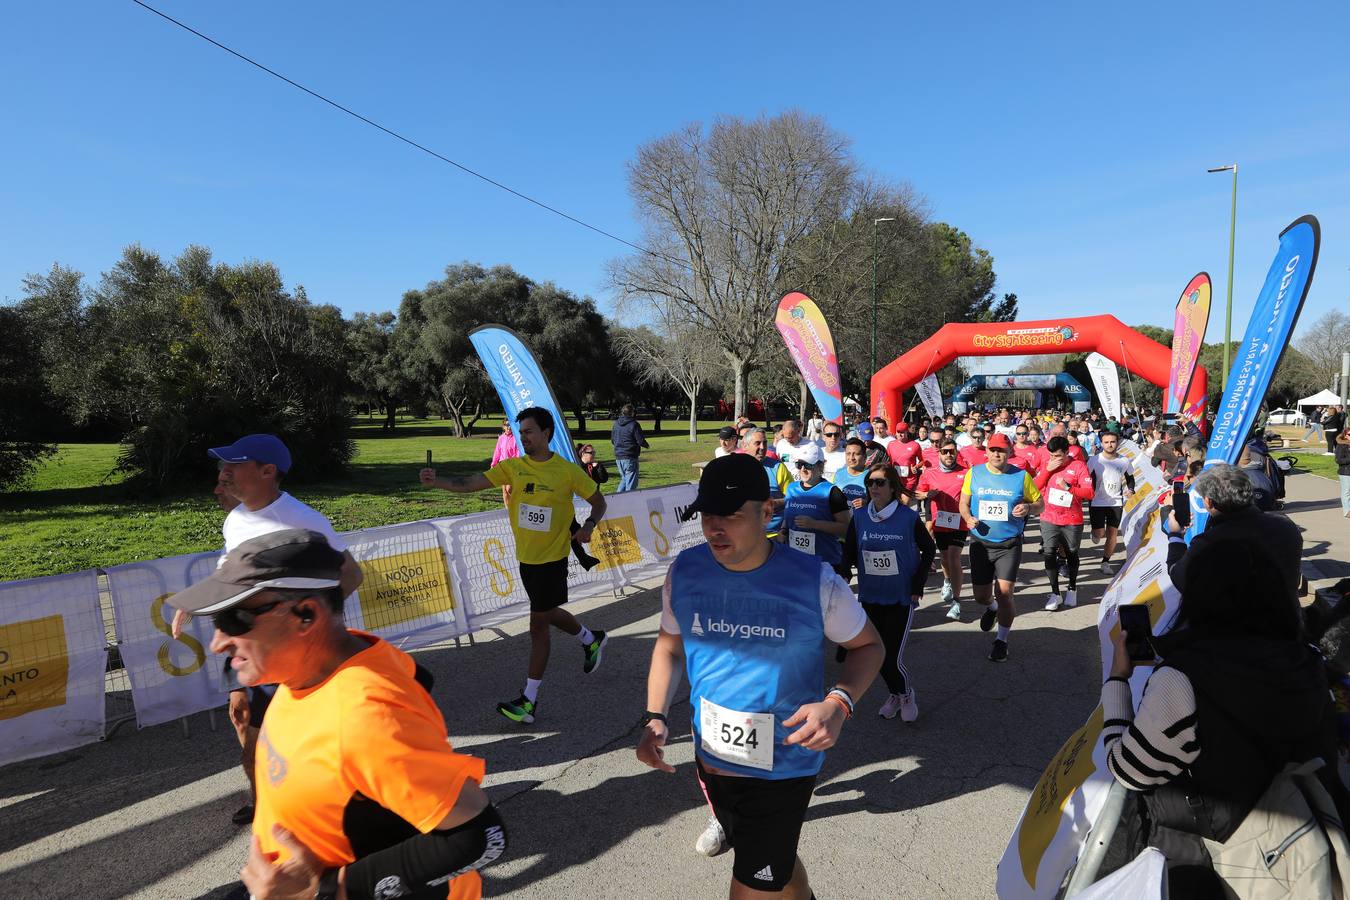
(407, 140)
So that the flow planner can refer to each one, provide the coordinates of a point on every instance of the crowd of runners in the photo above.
(819, 534)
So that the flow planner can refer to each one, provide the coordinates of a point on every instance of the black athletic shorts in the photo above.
(763, 822)
(1104, 517)
(945, 539)
(545, 584)
(990, 561)
(1053, 536)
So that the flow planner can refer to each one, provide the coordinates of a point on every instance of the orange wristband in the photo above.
(848, 713)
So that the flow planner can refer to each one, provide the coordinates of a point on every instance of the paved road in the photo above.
(914, 811)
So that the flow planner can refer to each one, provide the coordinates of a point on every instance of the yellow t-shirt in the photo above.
(541, 510)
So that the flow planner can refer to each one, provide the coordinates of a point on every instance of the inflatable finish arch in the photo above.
(1066, 384)
(1106, 335)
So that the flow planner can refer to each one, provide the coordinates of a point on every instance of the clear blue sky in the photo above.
(1071, 143)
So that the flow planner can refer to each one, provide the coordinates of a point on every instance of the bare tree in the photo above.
(1325, 341)
(680, 354)
(723, 213)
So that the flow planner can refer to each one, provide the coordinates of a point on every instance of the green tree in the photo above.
(376, 369)
(24, 406)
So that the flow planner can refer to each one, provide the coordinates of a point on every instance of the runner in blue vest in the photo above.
(815, 514)
(849, 479)
(749, 619)
(995, 502)
(892, 550)
(776, 475)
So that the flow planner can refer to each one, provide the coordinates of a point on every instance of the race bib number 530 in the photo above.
(739, 737)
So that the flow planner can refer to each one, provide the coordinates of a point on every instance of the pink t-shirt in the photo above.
(1065, 490)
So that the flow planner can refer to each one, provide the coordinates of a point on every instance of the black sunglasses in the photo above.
(237, 621)
(947, 450)
(877, 482)
(803, 464)
(832, 434)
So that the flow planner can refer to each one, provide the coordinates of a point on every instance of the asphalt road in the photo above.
(900, 811)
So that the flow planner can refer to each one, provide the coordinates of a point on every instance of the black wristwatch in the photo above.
(590, 520)
(328, 885)
(649, 715)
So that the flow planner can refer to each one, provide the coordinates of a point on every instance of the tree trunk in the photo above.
(741, 372)
(693, 415)
(657, 413)
(477, 414)
(803, 398)
(581, 420)
(390, 415)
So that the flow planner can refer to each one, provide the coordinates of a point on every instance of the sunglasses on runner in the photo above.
(947, 450)
(832, 434)
(996, 450)
(877, 482)
(237, 621)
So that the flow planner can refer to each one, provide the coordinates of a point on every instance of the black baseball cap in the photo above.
(726, 432)
(727, 484)
(294, 558)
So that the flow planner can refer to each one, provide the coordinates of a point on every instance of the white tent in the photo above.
(1322, 398)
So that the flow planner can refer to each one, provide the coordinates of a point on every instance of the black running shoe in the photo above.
(989, 617)
(1000, 651)
(243, 815)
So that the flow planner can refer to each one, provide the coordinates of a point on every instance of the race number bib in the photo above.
(1063, 499)
(534, 518)
(944, 519)
(745, 738)
(880, 562)
(804, 541)
(902, 471)
(993, 510)
(1113, 486)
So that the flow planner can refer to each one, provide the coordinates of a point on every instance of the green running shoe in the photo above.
(592, 652)
(519, 709)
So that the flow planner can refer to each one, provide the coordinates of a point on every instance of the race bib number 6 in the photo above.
(944, 519)
(739, 737)
(993, 510)
(534, 518)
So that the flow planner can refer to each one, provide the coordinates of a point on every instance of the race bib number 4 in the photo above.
(534, 518)
(880, 562)
(1060, 498)
(945, 519)
(902, 471)
(993, 510)
(739, 737)
(804, 541)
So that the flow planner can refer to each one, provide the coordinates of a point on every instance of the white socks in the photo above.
(585, 636)
(1002, 633)
(532, 688)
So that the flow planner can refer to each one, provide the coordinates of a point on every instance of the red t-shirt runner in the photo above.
(972, 456)
(1025, 458)
(1065, 490)
(907, 457)
(944, 497)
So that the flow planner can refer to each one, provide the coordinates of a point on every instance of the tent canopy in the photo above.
(1322, 398)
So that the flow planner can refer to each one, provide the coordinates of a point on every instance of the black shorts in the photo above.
(945, 539)
(1067, 536)
(545, 584)
(1104, 517)
(990, 561)
(763, 822)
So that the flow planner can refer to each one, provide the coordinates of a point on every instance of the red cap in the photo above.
(998, 440)
(901, 426)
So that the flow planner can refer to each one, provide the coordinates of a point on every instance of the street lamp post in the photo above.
(1232, 234)
(875, 223)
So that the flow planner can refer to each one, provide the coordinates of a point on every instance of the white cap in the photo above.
(808, 453)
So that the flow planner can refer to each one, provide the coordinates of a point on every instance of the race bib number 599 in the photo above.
(534, 518)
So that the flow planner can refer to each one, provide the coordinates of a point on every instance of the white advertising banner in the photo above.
(53, 653)
(1106, 379)
(407, 596)
(170, 677)
(1070, 794)
(931, 395)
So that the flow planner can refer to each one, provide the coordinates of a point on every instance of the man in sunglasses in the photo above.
(833, 449)
(1024, 453)
(941, 485)
(359, 792)
(881, 431)
(995, 502)
(907, 457)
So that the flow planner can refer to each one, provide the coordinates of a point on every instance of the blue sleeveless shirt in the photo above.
(989, 488)
(882, 580)
(813, 502)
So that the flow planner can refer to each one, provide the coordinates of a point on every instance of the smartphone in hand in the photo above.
(1134, 620)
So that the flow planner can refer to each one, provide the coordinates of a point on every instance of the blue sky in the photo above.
(1071, 140)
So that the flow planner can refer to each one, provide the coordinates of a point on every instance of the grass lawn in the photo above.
(1311, 457)
(77, 513)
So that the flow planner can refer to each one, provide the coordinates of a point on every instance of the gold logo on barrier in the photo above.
(165, 654)
(404, 587)
(662, 543)
(33, 666)
(1066, 773)
(614, 542)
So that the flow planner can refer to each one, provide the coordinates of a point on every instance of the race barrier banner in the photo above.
(170, 677)
(1106, 379)
(808, 340)
(1070, 795)
(1188, 336)
(931, 395)
(520, 383)
(425, 583)
(1268, 330)
(53, 652)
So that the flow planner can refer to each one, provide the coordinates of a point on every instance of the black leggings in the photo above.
(892, 622)
(1052, 569)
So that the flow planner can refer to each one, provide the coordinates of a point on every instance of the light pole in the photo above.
(875, 223)
(1228, 311)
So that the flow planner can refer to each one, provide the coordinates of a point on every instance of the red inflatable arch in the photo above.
(1105, 334)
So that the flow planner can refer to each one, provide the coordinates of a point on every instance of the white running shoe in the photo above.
(1106, 568)
(1070, 599)
(954, 612)
(1053, 603)
(946, 591)
(892, 706)
(909, 706)
(713, 840)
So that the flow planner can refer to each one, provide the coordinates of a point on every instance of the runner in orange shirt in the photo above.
(359, 792)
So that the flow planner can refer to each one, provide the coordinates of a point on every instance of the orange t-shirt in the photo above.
(335, 760)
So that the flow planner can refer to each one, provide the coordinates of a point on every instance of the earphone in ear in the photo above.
(306, 617)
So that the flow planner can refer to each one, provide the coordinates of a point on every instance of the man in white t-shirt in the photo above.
(727, 440)
(790, 441)
(833, 434)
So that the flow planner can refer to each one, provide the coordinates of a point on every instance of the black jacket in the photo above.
(627, 438)
(1279, 536)
(1343, 458)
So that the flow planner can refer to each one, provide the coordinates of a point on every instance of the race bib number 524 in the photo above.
(739, 737)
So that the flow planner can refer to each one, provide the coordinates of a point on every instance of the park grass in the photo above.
(79, 513)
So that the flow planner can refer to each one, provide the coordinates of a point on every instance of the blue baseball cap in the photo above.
(258, 448)
(865, 431)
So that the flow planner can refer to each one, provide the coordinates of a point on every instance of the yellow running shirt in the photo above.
(541, 509)
(359, 763)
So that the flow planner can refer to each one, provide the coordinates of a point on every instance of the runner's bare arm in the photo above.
(971, 521)
(466, 484)
(662, 681)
